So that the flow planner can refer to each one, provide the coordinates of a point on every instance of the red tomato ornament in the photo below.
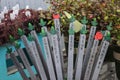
(98, 36)
(56, 16)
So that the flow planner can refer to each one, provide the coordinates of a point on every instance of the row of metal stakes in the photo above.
(49, 63)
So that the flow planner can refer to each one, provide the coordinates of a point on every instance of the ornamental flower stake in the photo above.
(70, 52)
(40, 67)
(57, 28)
(38, 45)
(81, 50)
(56, 54)
(27, 46)
(35, 54)
(16, 63)
(25, 60)
(101, 57)
(48, 55)
(89, 45)
(43, 23)
(93, 52)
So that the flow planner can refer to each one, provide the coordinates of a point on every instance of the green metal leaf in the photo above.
(30, 37)
(42, 22)
(17, 45)
(71, 31)
(43, 33)
(107, 37)
(52, 30)
(94, 22)
(109, 27)
(12, 39)
(72, 19)
(84, 20)
(9, 50)
(30, 26)
(83, 30)
(21, 32)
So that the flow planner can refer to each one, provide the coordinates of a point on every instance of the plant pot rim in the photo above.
(116, 55)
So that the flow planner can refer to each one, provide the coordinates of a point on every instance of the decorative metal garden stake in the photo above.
(93, 52)
(48, 55)
(56, 54)
(25, 60)
(41, 54)
(81, 50)
(38, 61)
(89, 46)
(100, 60)
(101, 57)
(57, 28)
(70, 53)
(16, 63)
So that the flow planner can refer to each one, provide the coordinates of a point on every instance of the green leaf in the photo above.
(17, 45)
(94, 22)
(52, 30)
(43, 33)
(9, 50)
(83, 30)
(72, 19)
(107, 37)
(12, 39)
(42, 22)
(84, 20)
(20, 32)
(109, 27)
(71, 31)
(30, 37)
(30, 26)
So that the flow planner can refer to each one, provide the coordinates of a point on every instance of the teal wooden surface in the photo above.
(3, 67)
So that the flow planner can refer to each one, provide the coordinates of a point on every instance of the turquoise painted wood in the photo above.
(3, 68)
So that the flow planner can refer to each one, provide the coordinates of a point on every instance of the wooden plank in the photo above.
(16, 62)
(26, 63)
